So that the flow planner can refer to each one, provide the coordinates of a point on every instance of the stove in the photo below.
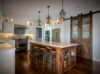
(21, 44)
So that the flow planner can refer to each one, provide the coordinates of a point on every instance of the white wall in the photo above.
(67, 32)
(0, 17)
(9, 27)
(96, 37)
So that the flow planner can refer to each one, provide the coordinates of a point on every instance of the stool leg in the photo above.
(54, 62)
(43, 61)
(36, 54)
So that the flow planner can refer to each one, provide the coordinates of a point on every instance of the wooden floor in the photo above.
(24, 66)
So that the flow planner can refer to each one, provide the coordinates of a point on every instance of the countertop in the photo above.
(5, 46)
(56, 44)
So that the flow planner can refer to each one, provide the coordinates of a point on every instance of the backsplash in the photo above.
(8, 36)
(5, 37)
(24, 36)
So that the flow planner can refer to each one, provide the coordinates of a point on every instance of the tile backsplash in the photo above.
(6, 37)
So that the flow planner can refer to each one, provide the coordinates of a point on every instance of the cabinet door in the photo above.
(47, 35)
(39, 34)
(74, 30)
(56, 35)
(86, 40)
(81, 32)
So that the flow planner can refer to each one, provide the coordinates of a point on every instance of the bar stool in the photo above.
(52, 55)
(36, 51)
(51, 52)
(42, 52)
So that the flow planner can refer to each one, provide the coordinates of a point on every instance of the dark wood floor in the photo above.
(24, 66)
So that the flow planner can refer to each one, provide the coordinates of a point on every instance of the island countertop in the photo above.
(55, 44)
(5, 46)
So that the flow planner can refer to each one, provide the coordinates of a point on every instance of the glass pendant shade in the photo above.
(62, 15)
(39, 22)
(48, 18)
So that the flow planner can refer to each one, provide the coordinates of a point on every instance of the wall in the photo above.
(8, 27)
(0, 17)
(67, 32)
(96, 37)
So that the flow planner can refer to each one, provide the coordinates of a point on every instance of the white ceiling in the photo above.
(30, 8)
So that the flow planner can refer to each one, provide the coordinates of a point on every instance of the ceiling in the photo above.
(30, 8)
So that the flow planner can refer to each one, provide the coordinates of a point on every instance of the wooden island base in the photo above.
(65, 57)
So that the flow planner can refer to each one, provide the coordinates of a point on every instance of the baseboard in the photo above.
(98, 60)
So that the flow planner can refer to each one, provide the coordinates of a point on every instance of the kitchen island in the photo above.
(65, 54)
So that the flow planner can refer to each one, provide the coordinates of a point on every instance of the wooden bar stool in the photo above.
(52, 52)
(42, 52)
(36, 51)
(52, 56)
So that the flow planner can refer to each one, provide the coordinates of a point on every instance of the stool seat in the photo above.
(42, 49)
(53, 52)
(36, 47)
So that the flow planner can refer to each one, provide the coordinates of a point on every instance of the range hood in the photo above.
(20, 26)
(20, 29)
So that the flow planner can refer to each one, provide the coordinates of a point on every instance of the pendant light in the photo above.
(62, 13)
(39, 20)
(48, 18)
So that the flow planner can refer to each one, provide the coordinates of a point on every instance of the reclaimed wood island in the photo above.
(65, 57)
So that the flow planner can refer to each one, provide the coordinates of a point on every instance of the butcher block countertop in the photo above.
(5, 46)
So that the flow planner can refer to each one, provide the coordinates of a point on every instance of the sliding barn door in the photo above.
(81, 33)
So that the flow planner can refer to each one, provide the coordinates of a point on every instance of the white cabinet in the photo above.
(8, 28)
(7, 59)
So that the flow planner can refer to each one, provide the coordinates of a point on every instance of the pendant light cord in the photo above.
(39, 15)
(62, 4)
(48, 10)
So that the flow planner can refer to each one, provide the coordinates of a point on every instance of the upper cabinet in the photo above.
(38, 34)
(47, 35)
(56, 35)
